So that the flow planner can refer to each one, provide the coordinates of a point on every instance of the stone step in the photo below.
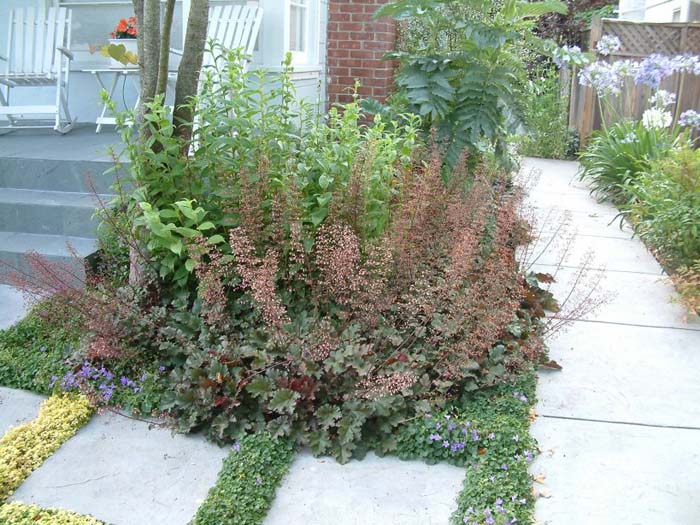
(55, 248)
(49, 212)
(56, 174)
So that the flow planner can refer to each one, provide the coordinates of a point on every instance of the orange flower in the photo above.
(122, 26)
(131, 31)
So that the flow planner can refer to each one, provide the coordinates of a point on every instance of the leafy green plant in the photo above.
(616, 156)
(247, 482)
(545, 118)
(463, 76)
(665, 209)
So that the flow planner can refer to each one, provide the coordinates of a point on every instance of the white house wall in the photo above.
(84, 93)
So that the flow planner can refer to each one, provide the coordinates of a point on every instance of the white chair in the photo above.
(38, 56)
(232, 27)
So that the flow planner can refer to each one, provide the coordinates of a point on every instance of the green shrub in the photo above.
(616, 156)
(666, 207)
(462, 69)
(247, 483)
(545, 118)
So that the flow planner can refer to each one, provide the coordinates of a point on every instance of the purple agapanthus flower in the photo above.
(608, 44)
(690, 118)
(654, 69)
(603, 77)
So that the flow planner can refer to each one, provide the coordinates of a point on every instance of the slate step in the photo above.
(56, 174)
(49, 212)
(14, 246)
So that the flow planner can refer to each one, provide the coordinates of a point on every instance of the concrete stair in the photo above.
(47, 206)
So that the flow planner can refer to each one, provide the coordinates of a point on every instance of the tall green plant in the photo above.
(462, 77)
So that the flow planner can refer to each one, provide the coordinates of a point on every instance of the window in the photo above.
(297, 26)
(676, 15)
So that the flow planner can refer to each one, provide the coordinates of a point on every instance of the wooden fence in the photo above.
(638, 40)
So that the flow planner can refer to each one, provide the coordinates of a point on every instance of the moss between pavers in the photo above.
(247, 482)
(24, 448)
(16, 513)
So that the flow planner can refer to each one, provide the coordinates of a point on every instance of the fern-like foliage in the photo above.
(467, 89)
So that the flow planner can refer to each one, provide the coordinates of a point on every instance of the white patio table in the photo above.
(128, 73)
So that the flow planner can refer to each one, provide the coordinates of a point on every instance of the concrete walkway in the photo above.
(619, 426)
(12, 307)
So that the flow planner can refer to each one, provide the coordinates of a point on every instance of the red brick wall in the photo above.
(356, 44)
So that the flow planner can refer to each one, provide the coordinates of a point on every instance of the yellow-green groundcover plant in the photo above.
(24, 448)
(20, 514)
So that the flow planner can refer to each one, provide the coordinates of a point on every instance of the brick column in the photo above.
(356, 44)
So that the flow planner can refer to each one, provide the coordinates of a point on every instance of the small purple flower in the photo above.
(144, 377)
(498, 502)
(258, 480)
(451, 427)
(438, 426)
(447, 417)
(467, 424)
(504, 466)
(457, 446)
(446, 444)
(528, 456)
(53, 381)
(470, 510)
(492, 479)
(475, 435)
(124, 380)
(489, 521)
(237, 446)
(487, 512)
(42, 349)
(161, 368)
(492, 436)
(523, 398)
(434, 437)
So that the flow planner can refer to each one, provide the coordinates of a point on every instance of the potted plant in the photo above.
(124, 34)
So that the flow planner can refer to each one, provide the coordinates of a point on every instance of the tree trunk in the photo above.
(190, 66)
(150, 54)
(162, 83)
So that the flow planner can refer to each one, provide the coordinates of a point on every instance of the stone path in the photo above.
(619, 427)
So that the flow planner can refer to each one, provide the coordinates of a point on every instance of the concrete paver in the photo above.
(17, 407)
(119, 471)
(12, 307)
(375, 490)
